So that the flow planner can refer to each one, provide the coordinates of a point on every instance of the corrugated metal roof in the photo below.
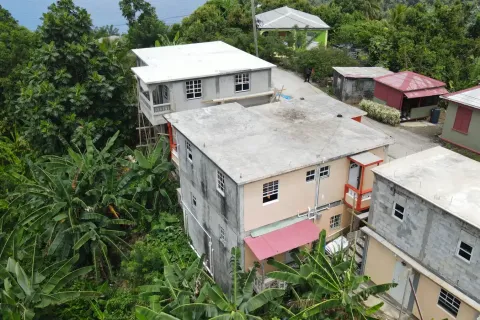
(192, 61)
(409, 81)
(362, 72)
(469, 97)
(426, 93)
(288, 18)
(283, 240)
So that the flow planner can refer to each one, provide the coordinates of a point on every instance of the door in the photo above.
(354, 175)
(400, 277)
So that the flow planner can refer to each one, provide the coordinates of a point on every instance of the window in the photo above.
(193, 89)
(189, 151)
(464, 251)
(462, 119)
(335, 221)
(398, 211)
(324, 172)
(221, 182)
(310, 176)
(222, 239)
(194, 201)
(242, 82)
(270, 191)
(449, 302)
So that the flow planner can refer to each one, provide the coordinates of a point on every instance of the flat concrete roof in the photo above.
(468, 97)
(256, 143)
(193, 61)
(288, 18)
(366, 158)
(442, 177)
(362, 72)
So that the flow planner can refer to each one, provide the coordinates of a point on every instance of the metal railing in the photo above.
(357, 199)
(161, 108)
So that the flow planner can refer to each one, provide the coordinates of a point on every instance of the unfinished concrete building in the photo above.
(252, 176)
(191, 76)
(426, 233)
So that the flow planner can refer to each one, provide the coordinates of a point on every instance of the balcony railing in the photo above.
(161, 108)
(356, 199)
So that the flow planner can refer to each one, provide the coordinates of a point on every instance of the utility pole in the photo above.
(254, 21)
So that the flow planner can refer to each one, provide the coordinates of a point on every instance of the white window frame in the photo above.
(242, 79)
(460, 248)
(188, 148)
(221, 182)
(310, 176)
(394, 210)
(324, 172)
(193, 87)
(334, 221)
(445, 296)
(272, 189)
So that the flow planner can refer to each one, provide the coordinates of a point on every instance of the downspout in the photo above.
(317, 186)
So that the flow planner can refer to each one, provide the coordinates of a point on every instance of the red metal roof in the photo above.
(426, 93)
(409, 81)
(283, 240)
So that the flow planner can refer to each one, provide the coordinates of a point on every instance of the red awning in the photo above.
(283, 240)
(426, 93)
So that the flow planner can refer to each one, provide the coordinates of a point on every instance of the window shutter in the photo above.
(462, 119)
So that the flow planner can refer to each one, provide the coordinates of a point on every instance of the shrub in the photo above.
(381, 112)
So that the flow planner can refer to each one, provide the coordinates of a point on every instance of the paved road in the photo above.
(406, 142)
(293, 84)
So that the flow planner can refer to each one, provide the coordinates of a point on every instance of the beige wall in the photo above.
(380, 262)
(380, 266)
(323, 223)
(427, 294)
(295, 195)
(368, 175)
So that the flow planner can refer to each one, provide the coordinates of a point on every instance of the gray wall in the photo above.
(220, 87)
(212, 210)
(428, 234)
(351, 90)
(470, 140)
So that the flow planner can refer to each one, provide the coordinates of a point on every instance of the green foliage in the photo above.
(70, 84)
(165, 241)
(327, 287)
(25, 291)
(105, 31)
(144, 28)
(381, 112)
(321, 60)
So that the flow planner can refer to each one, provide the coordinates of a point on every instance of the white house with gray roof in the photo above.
(191, 76)
(285, 19)
(424, 233)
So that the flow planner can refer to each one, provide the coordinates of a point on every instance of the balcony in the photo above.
(355, 199)
(154, 112)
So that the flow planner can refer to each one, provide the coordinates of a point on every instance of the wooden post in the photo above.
(416, 300)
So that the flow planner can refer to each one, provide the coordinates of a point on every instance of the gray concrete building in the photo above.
(251, 176)
(352, 84)
(426, 229)
(191, 76)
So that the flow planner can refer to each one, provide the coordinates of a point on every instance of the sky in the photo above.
(103, 12)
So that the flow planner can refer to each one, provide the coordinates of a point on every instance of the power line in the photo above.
(167, 18)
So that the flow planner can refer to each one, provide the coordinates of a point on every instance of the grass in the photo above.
(462, 151)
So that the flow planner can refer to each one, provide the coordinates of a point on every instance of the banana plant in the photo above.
(327, 287)
(25, 292)
(213, 303)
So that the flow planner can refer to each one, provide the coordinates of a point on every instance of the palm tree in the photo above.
(372, 9)
(327, 286)
(22, 293)
(165, 41)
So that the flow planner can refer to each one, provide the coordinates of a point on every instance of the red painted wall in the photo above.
(392, 97)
